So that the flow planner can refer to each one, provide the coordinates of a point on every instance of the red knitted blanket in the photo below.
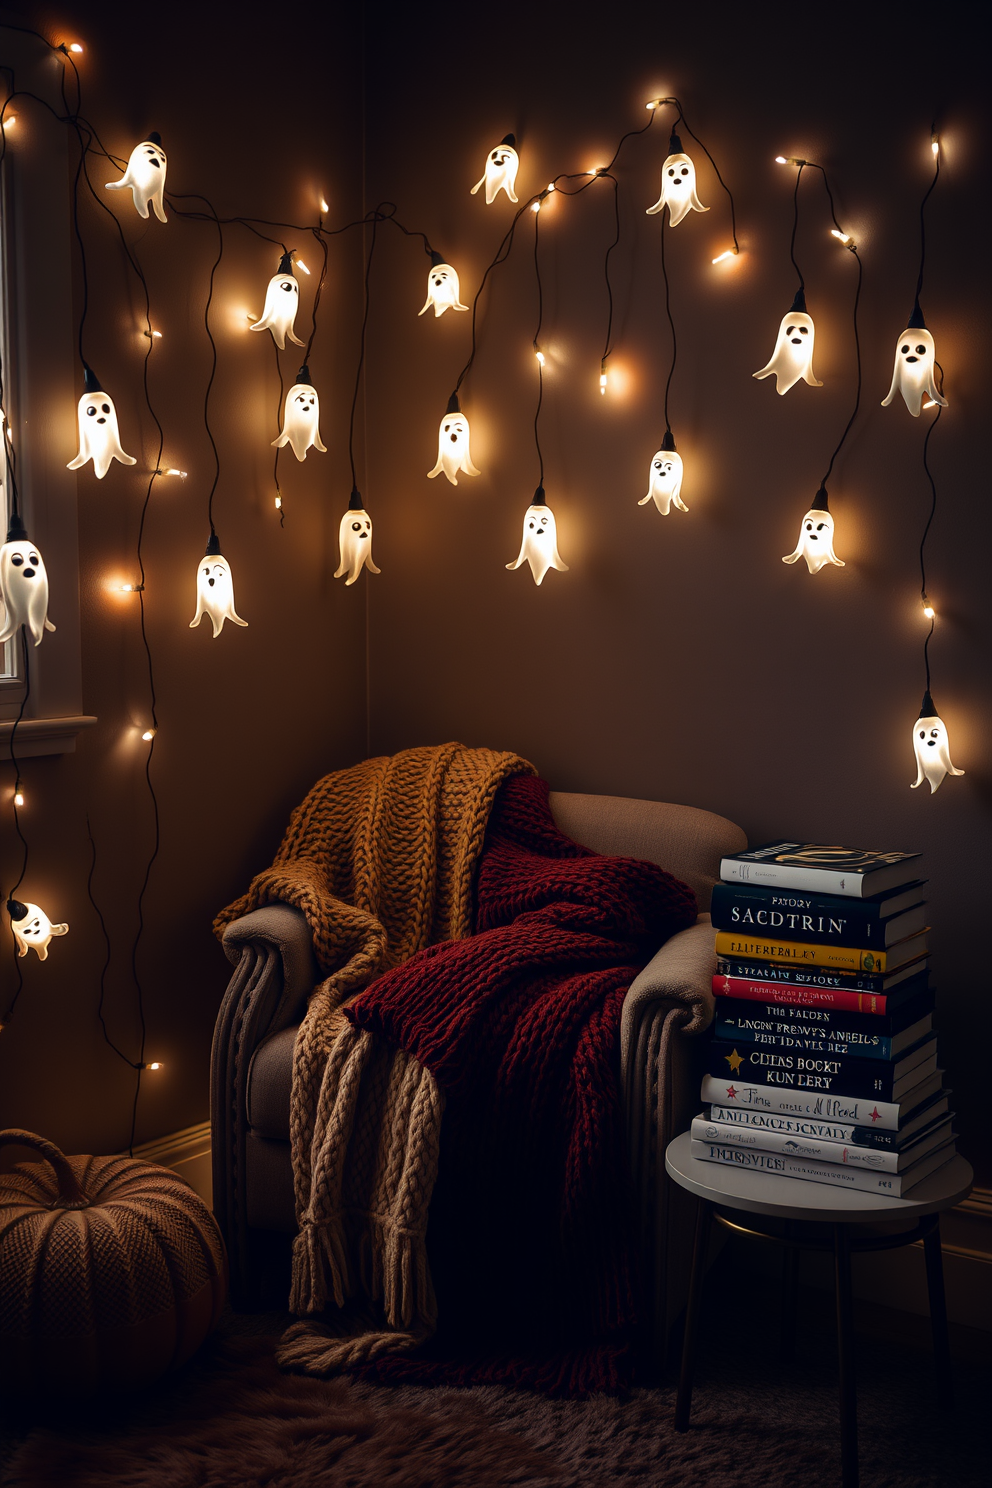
(529, 1235)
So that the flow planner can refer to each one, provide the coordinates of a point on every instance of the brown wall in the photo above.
(679, 659)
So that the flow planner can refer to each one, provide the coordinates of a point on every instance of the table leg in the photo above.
(845, 1359)
(938, 1317)
(790, 1273)
(683, 1401)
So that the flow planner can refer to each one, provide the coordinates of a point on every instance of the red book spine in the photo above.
(792, 996)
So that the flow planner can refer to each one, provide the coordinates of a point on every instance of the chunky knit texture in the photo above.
(519, 1026)
(381, 860)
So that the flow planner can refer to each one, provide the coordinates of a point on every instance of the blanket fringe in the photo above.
(320, 1267)
(314, 1348)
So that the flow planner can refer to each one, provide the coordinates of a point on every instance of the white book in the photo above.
(897, 1185)
(856, 1110)
(873, 1159)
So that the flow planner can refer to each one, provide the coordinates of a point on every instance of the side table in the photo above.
(817, 1216)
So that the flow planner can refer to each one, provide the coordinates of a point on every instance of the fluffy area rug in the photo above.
(231, 1420)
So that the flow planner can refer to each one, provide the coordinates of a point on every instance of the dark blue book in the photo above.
(829, 1031)
(828, 1074)
(819, 919)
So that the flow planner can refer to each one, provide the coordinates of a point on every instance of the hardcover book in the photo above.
(757, 985)
(855, 1110)
(819, 1031)
(817, 1149)
(895, 1184)
(833, 1074)
(822, 870)
(824, 919)
(743, 947)
(920, 1119)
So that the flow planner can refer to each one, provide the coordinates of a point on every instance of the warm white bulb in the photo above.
(18, 798)
(551, 186)
(278, 503)
(727, 253)
(540, 357)
(930, 403)
(173, 471)
(602, 382)
(128, 588)
(157, 335)
(301, 265)
(75, 47)
(155, 1065)
(535, 206)
(935, 146)
(842, 237)
(324, 206)
(781, 160)
(652, 105)
(148, 735)
(10, 121)
(928, 609)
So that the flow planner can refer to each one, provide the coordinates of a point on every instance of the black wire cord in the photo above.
(795, 226)
(376, 218)
(923, 204)
(852, 248)
(537, 351)
(671, 322)
(926, 532)
(17, 824)
(682, 120)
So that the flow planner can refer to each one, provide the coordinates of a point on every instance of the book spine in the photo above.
(835, 1074)
(838, 1174)
(807, 1040)
(797, 917)
(881, 1115)
(787, 876)
(787, 995)
(845, 958)
(832, 1023)
(824, 1131)
(812, 976)
(811, 1149)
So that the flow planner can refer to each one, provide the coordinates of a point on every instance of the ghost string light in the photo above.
(666, 469)
(816, 537)
(300, 418)
(145, 176)
(215, 589)
(453, 450)
(99, 435)
(354, 542)
(282, 300)
(792, 358)
(443, 289)
(500, 173)
(678, 179)
(23, 586)
(914, 369)
(32, 928)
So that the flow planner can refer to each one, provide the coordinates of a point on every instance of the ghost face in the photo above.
(453, 448)
(99, 437)
(933, 753)
(299, 421)
(665, 482)
(912, 374)
(23, 590)
(282, 300)
(793, 354)
(678, 190)
(34, 929)
(355, 545)
(539, 545)
(215, 593)
(500, 173)
(443, 291)
(145, 175)
(816, 542)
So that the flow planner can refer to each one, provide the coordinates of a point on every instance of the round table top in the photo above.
(798, 1198)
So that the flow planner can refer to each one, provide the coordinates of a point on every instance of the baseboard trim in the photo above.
(187, 1153)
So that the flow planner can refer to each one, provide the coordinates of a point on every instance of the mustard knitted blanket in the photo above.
(380, 858)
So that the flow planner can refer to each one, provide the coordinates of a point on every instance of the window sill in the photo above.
(43, 735)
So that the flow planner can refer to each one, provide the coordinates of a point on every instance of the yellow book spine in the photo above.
(842, 958)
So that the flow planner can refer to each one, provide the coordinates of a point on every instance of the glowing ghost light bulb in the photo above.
(539, 543)
(453, 453)
(32, 928)
(501, 171)
(443, 291)
(602, 377)
(931, 747)
(23, 586)
(722, 257)
(282, 300)
(934, 145)
(324, 206)
(842, 237)
(540, 357)
(18, 795)
(816, 537)
(665, 477)
(301, 265)
(148, 734)
(678, 185)
(355, 541)
(215, 589)
(792, 358)
(145, 175)
(75, 47)
(536, 205)
(99, 436)
(300, 416)
(913, 373)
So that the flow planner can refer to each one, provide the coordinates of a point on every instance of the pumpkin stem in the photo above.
(70, 1195)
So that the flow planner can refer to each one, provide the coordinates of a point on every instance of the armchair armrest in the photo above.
(281, 928)
(680, 974)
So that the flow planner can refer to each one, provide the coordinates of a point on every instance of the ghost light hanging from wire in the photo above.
(913, 374)
(792, 358)
(500, 173)
(215, 589)
(282, 300)
(300, 418)
(32, 928)
(931, 747)
(816, 537)
(539, 542)
(443, 290)
(99, 436)
(23, 586)
(678, 185)
(453, 453)
(145, 175)
(355, 541)
(665, 477)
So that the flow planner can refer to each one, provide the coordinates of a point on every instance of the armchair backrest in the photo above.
(684, 840)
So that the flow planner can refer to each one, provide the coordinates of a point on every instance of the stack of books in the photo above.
(823, 1063)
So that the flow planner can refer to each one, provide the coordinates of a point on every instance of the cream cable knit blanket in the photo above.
(380, 858)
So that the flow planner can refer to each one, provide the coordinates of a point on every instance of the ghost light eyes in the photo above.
(17, 560)
(90, 412)
(923, 733)
(904, 349)
(935, 733)
(921, 351)
(356, 526)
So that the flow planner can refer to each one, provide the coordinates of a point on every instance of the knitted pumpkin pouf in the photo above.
(112, 1272)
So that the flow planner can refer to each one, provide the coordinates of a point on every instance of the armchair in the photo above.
(275, 972)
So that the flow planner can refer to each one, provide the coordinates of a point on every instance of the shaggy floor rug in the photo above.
(231, 1420)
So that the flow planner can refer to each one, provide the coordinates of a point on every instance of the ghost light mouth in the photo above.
(912, 359)
(101, 420)
(28, 573)
(211, 582)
